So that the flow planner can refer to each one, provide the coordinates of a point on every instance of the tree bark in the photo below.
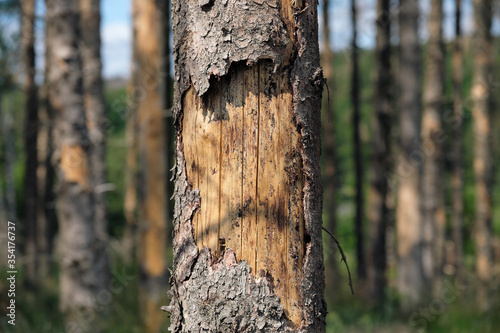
(408, 168)
(247, 224)
(381, 162)
(30, 137)
(432, 202)
(79, 246)
(152, 223)
(457, 178)
(95, 115)
(358, 160)
(481, 90)
(329, 153)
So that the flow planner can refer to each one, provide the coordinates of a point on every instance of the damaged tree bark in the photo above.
(247, 225)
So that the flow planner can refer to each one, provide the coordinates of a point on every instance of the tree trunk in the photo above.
(432, 202)
(129, 242)
(481, 89)
(457, 147)
(79, 247)
(166, 106)
(381, 162)
(358, 160)
(30, 137)
(408, 218)
(152, 165)
(247, 224)
(46, 220)
(329, 153)
(95, 115)
(10, 160)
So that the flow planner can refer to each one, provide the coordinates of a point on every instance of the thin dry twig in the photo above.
(344, 258)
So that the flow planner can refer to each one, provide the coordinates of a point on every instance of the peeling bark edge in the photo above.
(307, 84)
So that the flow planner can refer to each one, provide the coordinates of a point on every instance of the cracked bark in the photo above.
(248, 198)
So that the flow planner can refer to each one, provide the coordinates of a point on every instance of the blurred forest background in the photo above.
(410, 145)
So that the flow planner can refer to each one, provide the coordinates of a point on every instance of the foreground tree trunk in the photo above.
(481, 89)
(408, 218)
(95, 114)
(152, 223)
(457, 177)
(378, 212)
(247, 225)
(79, 247)
(432, 202)
(30, 136)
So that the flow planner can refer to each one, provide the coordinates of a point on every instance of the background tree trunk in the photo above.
(152, 165)
(30, 137)
(95, 114)
(358, 159)
(432, 202)
(10, 160)
(457, 181)
(46, 220)
(381, 162)
(481, 89)
(408, 217)
(329, 153)
(79, 247)
(248, 182)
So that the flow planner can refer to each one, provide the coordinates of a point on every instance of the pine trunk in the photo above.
(432, 195)
(329, 153)
(381, 162)
(408, 167)
(152, 223)
(358, 159)
(30, 137)
(457, 178)
(46, 220)
(79, 248)
(248, 251)
(481, 90)
(95, 115)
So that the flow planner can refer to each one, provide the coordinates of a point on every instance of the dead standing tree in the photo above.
(247, 225)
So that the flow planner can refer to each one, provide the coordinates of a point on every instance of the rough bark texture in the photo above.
(209, 38)
(166, 94)
(30, 136)
(152, 222)
(457, 177)
(358, 160)
(481, 95)
(79, 281)
(329, 152)
(378, 211)
(432, 202)
(408, 169)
